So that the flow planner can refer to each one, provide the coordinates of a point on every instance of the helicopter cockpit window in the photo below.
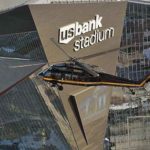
(47, 74)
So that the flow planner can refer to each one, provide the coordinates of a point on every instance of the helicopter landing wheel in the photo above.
(60, 87)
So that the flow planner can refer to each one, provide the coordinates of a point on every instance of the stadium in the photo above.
(35, 34)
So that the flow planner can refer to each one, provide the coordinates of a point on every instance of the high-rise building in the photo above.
(130, 108)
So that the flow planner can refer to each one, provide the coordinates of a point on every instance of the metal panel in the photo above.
(50, 19)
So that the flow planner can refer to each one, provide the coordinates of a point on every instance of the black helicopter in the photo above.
(74, 72)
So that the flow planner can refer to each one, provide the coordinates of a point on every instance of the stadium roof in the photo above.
(6, 5)
(10, 4)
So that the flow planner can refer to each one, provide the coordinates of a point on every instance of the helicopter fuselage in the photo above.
(70, 73)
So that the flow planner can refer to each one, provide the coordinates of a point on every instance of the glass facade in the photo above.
(134, 59)
(31, 121)
(130, 108)
(32, 116)
(26, 45)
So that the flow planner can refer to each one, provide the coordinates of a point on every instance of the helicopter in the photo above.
(75, 72)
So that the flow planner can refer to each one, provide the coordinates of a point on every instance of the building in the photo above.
(130, 127)
(134, 53)
(33, 114)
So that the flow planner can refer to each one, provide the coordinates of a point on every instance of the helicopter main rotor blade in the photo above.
(88, 56)
(87, 68)
(98, 54)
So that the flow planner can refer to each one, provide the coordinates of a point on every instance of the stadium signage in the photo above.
(69, 32)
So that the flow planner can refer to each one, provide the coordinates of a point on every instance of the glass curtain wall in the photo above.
(28, 121)
(130, 108)
(26, 45)
(32, 116)
(134, 59)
